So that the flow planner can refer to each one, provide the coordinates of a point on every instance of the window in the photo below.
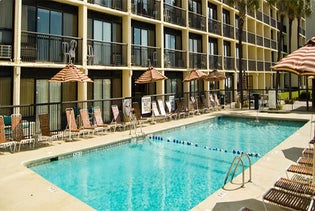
(6, 21)
(212, 11)
(226, 16)
(213, 46)
(195, 6)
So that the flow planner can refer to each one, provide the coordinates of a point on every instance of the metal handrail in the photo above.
(239, 160)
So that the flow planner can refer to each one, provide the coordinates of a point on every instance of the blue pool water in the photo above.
(172, 170)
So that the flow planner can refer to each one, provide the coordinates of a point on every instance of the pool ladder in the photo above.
(235, 164)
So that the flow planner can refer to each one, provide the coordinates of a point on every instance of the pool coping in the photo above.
(22, 189)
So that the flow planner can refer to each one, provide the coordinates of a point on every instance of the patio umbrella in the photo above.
(194, 74)
(300, 61)
(151, 75)
(215, 76)
(70, 73)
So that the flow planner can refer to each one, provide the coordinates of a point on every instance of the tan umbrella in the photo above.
(215, 76)
(194, 74)
(149, 76)
(300, 61)
(70, 73)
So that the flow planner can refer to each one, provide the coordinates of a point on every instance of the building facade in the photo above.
(114, 42)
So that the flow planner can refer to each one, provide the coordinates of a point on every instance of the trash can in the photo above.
(256, 101)
(222, 100)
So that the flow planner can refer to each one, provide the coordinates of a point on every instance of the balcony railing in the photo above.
(214, 26)
(260, 65)
(145, 56)
(267, 66)
(259, 40)
(243, 35)
(150, 9)
(229, 63)
(273, 22)
(197, 60)
(215, 62)
(107, 53)
(273, 44)
(266, 18)
(42, 47)
(244, 64)
(267, 42)
(175, 58)
(252, 64)
(228, 30)
(174, 15)
(197, 21)
(251, 37)
(113, 4)
(259, 15)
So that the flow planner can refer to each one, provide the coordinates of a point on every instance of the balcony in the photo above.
(251, 37)
(252, 65)
(259, 40)
(243, 35)
(267, 66)
(266, 19)
(150, 9)
(197, 21)
(229, 63)
(267, 42)
(259, 15)
(244, 64)
(273, 44)
(197, 60)
(260, 65)
(174, 15)
(145, 56)
(228, 30)
(214, 26)
(113, 4)
(215, 62)
(107, 53)
(273, 22)
(174, 58)
(39, 47)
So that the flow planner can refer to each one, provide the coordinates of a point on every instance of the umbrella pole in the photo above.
(307, 95)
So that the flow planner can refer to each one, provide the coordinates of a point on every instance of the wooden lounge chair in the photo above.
(305, 161)
(116, 121)
(180, 109)
(72, 127)
(298, 169)
(308, 152)
(213, 103)
(4, 143)
(194, 109)
(87, 124)
(137, 112)
(295, 186)
(203, 106)
(288, 199)
(18, 134)
(216, 99)
(45, 133)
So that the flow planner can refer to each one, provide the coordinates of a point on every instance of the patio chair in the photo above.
(84, 114)
(162, 110)
(156, 113)
(216, 99)
(116, 121)
(172, 114)
(295, 186)
(4, 143)
(45, 133)
(18, 132)
(288, 199)
(181, 112)
(99, 119)
(72, 127)
(194, 105)
(204, 105)
(213, 104)
(305, 161)
(298, 169)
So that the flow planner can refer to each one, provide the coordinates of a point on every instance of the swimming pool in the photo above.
(173, 170)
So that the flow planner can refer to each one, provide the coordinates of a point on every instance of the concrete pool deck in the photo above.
(22, 189)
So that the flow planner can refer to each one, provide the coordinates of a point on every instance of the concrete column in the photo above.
(126, 81)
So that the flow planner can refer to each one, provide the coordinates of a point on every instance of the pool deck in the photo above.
(22, 189)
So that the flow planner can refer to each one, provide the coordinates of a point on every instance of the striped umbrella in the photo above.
(149, 76)
(215, 76)
(70, 73)
(194, 74)
(300, 61)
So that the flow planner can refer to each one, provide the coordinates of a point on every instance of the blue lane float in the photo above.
(188, 143)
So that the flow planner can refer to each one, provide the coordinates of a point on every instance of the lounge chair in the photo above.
(295, 186)
(180, 109)
(157, 116)
(72, 127)
(215, 96)
(45, 133)
(17, 132)
(308, 152)
(170, 112)
(194, 109)
(298, 169)
(137, 112)
(99, 119)
(162, 110)
(203, 106)
(212, 102)
(288, 199)
(116, 121)
(4, 143)
(305, 161)
(84, 114)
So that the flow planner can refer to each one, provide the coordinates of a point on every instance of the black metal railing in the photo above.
(174, 15)
(215, 61)
(175, 58)
(40, 47)
(229, 63)
(197, 60)
(150, 8)
(113, 4)
(273, 22)
(107, 53)
(145, 56)
(252, 64)
(251, 37)
(228, 30)
(259, 40)
(214, 26)
(197, 21)
(267, 42)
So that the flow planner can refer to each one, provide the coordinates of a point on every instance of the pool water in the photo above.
(172, 170)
